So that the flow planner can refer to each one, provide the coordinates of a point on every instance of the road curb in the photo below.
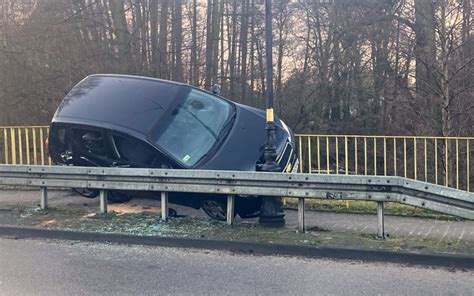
(437, 260)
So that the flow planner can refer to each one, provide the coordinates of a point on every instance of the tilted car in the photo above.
(130, 121)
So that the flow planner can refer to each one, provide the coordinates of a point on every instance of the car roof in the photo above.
(138, 77)
(132, 102)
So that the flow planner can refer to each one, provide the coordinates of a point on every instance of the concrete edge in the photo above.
(429, 260)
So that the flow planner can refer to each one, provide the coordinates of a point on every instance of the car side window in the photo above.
(131, 150)
(89, 140)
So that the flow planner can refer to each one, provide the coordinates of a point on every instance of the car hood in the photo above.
(244, 144)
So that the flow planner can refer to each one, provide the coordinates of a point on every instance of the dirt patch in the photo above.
(133, 208)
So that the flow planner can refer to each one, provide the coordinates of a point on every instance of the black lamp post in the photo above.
(271, 213)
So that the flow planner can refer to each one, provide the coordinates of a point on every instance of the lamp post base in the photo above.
(271, 214)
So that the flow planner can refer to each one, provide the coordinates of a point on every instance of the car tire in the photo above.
(86, 192)
(118, 197)
(249, 207)
(216, 209)
(249, 215)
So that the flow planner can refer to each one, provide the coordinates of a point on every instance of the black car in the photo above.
(129, 121)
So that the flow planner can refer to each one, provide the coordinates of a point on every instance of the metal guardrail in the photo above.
(379, 189)
(439, 160)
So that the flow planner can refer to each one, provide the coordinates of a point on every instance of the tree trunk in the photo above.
(178, 40)
(154, 37)
(232, 54)
(163, 41)
(222, 53)
(141, 43)
(194, 73)
(209, 47)
(121, 33)
(261, 67)
(215, 40)
(446, 99)
(243, 46)
(252, 53)
(425, 54)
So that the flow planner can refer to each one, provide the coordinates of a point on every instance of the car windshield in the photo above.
(194, 126)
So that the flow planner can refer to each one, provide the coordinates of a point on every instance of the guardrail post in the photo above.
(103, 201)
(164, 206)
(230, 209)
(301, 215)
(44, 198)
(381, 228)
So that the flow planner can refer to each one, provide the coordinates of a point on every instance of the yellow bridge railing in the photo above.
(24, 145)
(440, 160)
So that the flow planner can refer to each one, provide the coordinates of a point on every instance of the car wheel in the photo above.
(249, 215)
(86, 192)
(118, 197)
(215, 209)
(249, 207)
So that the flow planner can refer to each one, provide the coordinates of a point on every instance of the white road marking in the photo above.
(444, 234)
(429, 230)
(411, 232)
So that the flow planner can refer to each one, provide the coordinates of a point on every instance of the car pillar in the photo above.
(271, 213)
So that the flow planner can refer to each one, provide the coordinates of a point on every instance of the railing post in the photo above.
(230, 209)
(44, 198)
(103, 201)
(381, 228)
(301, 215)
(164, 206)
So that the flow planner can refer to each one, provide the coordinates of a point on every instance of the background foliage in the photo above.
(341, 66)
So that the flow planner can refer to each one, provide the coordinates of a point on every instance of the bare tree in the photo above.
(401, 66)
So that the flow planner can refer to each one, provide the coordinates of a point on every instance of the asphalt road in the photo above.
(37, 267)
